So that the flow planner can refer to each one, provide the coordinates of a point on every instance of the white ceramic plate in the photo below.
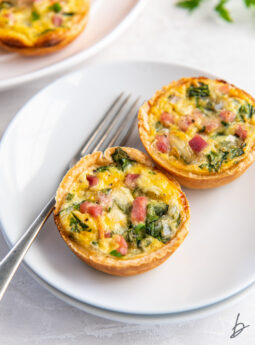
(107, 20)
(216, 260)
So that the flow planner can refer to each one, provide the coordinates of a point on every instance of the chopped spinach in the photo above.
(103, 168)
(154, 229)
(74, 206)
(69, 14)
(246, 110)
(202, 130)
(125, 208)
(105, 190)
(56, 7)
(121, 158)
(178, 221)
(144, 243)
(137, 192)
(204, 105)
(200, 91)
(69, 196)
(215, 160)
(35, 16)
(77, 225)
(140, 231)
(116, 253)
(46, 31)
(155, 211)
(158, 126)
(225, 124)
(153, 224)
(236, 152)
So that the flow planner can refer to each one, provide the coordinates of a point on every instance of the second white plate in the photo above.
(107, 20)
(216, 260)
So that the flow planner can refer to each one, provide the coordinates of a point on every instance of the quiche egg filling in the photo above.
(28, 19)
(124, 210)
(201, 125)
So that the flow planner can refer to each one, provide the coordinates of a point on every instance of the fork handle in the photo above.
(12, 260)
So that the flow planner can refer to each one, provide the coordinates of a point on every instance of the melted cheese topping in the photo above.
(28, 20)
(115, 219)
(220, 114)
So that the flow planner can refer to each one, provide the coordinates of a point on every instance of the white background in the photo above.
(30, 315)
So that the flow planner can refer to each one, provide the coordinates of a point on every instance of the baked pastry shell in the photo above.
(48, 43)
(186, 178)
(95, 258)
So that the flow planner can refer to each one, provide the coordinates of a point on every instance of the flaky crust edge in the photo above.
(48, 43)
(107, 264)
(189, 179)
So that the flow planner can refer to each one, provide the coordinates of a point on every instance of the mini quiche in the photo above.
(119, 214)
(36, 27)
(200, 130)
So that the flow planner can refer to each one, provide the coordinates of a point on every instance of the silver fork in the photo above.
(114, 129)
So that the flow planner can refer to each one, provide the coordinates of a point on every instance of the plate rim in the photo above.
(75, 59)
(130, 318)
(103, 65)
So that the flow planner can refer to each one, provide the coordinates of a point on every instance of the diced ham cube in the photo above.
(93, 209)
(107, 234)
(105, 200)
(84, 206)
(197, 143)
(162, 143)
(241, 132)
(92, 180)
(227, 116)
(123, 246)
(138, 213)
(10, 17)
(224, 88)
(166, 118)
(211, 125)
(130, 180)
(184, 122)
(57, 20)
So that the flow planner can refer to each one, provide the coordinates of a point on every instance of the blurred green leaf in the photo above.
(223, 11)
(249, 3)
(190, 5)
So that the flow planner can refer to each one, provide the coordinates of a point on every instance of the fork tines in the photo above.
(114, 127)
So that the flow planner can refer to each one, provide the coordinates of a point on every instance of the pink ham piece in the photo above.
(224, 88)
(211, 125)
(241, 132)
(138, 213)
(184, 123)
(105, 200)
(197, 143)
(166, 118)
(227, 116)
(162, 143)
(93, 209)
(92, 180)
(11, 18)
(130, 180)
(123, 246)
(57, 20)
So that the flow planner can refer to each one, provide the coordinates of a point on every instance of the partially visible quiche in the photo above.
(119, 214)
(200, 130)
(36, 27)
